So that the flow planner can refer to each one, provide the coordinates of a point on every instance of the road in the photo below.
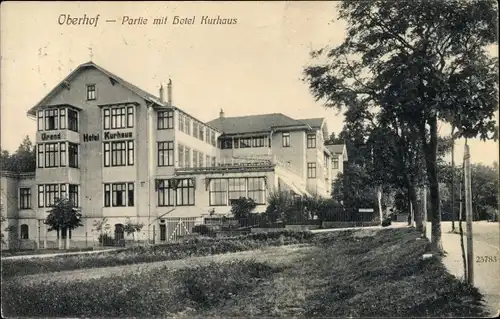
(486, 243)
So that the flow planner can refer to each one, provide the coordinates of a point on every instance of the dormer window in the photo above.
(91, 94)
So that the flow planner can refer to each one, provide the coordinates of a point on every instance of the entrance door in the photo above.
(163, 232)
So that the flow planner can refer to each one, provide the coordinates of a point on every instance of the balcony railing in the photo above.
(250, 162)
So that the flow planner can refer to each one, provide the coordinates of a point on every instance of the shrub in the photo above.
(106, 240)
(242, 207)
(204, 230)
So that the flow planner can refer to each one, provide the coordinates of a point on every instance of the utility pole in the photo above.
(468, 212)
(453, 215)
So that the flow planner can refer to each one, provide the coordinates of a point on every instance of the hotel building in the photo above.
(119, 152)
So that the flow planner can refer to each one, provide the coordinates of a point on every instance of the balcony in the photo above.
(241, 164)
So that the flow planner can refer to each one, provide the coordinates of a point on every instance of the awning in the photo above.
(294, 188)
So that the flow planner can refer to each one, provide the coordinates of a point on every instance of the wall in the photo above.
(295, 154)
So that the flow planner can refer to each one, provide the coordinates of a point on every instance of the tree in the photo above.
(131, 228)
(242, 207)
(63, 217)
(426, 62)
(22, 161)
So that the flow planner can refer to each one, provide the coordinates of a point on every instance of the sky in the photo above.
(252, 67)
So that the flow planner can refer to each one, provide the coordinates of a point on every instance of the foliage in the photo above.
(145, 254)
(101, 225)
(22, 161)
(278, 204)
(242, 207)
(132, 228)
(205, 287)
(354, 276)
(414, 65)
(63, 216)
(106, 239)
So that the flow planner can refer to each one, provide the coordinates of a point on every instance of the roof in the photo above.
(145, 95)
(314, 123)
(337, 149)
(260, 123)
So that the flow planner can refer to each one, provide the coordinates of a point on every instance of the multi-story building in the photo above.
(119, 152)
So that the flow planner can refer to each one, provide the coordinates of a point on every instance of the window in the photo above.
(63, 191)
(130, 116)
(73, 120)
(51, 120)
(187, 157)
(119, 195)
(165, 120)
(166, 153)
(118, 151)
(212, 138)
(51, 194)
(335, 163)
(225, 190)
(257, 189)
(187, 125)
(130, 194)
(91, 92)
(40, 196)
(122, 153)
(181, 122)
(201, 132)
(107, 119)
(286, 139)
(237, 188)
(227, 144)
(236, 143)
(130, 153)
(73, 195)
(24, 233)
(40, 121)
(258, 142)
(40, 155)
(195, 129)
(106, 154)
(311, 170)
(179, 190)
(181, 155)
(200, 159)
(25, 198)
(311, 140)
(73, 155)
(62, 154)
(118, 119)
(214, 160)
(325, 159)
(62, 119)
(195, 158)
(51, 155)
(166, 193)
(185, 192)
(218, 192)
(245, 142)
(207, 161)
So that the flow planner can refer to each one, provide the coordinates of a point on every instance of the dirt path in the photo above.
(277, 255)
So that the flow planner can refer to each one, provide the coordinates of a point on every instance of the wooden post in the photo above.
(468, 213)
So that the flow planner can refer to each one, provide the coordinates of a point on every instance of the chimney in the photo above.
(169, 92)
(162, 93)
(221, 114)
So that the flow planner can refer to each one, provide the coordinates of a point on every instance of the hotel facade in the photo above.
(118, 152)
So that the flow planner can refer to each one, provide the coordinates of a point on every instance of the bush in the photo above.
(204, 230)
(143, 254)
(106, 240)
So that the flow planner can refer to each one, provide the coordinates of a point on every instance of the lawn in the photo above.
(341, 274)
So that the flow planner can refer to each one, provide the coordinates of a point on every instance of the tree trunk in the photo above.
(67, 238)
(379, 203)
(59, 240)
(417, 214)
(430, 150)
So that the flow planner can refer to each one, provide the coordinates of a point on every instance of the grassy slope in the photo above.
(343, 274)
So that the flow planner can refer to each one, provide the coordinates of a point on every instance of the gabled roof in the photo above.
(339, 149)
(145, 95)
(259, 123)
(314, 123)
